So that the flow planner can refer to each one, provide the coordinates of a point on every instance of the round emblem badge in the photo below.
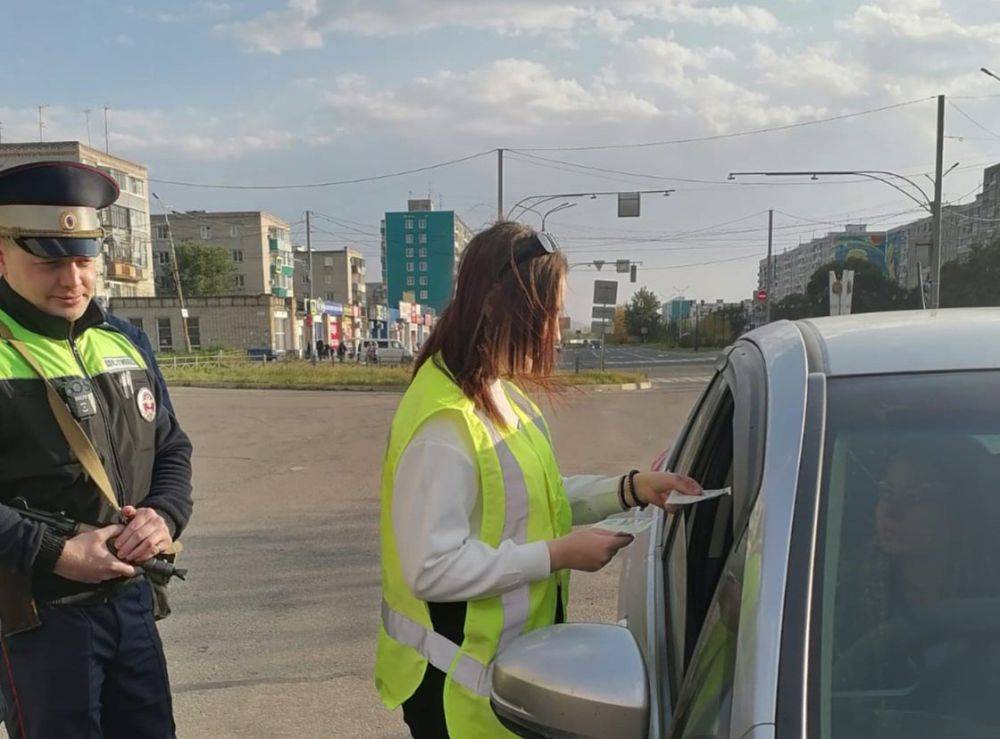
(146, 403)
(68, 221)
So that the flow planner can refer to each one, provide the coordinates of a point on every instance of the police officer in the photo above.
(94, 666)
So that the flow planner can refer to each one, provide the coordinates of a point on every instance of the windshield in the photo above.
(909, 536)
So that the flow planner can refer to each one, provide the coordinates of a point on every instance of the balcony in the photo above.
(124, 271)
(280, 292)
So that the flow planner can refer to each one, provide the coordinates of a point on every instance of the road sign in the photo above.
(604, 312)
(761, 295)
(605, 292)
(628, 205)
(598, 263)
(184, 313)
(599, 328)
(622, 266)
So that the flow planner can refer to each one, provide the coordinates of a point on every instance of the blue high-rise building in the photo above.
(420, 252)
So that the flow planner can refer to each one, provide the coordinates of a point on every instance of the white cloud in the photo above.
(509, 95)
(916, 20)
(825, 67)
(305, 24)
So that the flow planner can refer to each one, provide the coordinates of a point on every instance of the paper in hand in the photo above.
(678, 498)
(625, 523)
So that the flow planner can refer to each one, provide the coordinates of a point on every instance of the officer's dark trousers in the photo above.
(90, 671)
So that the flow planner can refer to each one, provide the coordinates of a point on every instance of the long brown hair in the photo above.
(504, 317)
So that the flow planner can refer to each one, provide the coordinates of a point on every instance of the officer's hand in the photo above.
(655, 487)
(587, 550)
(87, 558)
(145, 536)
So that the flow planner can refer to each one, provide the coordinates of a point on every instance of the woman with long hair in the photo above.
(477, 538)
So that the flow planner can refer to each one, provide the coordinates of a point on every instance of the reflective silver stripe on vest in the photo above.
(438, 650)
(517, 602)
(524, 405)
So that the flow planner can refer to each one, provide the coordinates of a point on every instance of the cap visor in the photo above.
(55, 247)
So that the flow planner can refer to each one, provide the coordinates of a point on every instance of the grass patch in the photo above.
(288, 375)
(300, 375)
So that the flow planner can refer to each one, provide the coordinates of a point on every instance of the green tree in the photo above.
(204, 269)
(792, 307)
(874, 291)
(973, 281)
(643, 311)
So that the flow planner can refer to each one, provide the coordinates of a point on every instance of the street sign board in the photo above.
(604, 312)
(628, 205)
(761, 295)
(184, 313)
(599, 328)
(622, 266)
(605, 292)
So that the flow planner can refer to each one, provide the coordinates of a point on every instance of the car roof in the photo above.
(894, 342)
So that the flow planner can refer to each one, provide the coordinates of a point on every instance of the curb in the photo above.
(324, 389)
(628, 386)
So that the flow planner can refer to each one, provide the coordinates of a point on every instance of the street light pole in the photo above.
(546, 198)
(499, 184)
(770, 265)
(177, 276)
(310, 345)
(938, 226)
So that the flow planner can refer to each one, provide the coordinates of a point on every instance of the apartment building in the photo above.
(124, 267)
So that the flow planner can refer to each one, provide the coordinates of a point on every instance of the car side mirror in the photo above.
(573, 680)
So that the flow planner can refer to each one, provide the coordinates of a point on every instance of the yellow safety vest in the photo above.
(523, 500)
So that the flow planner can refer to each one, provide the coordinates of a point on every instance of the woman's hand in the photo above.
(587, 550)
(653, 488)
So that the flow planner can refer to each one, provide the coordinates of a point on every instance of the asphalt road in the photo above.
(655, 361)
(273, 634)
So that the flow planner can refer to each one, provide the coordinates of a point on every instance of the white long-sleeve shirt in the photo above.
(437, 508)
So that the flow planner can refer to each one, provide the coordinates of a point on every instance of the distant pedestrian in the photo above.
(341, 351)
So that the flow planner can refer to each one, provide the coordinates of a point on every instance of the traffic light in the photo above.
(632, 273)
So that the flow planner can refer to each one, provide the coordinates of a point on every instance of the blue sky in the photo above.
(302, 91)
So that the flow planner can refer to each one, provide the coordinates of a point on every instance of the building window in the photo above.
(137, 322)
(409, 238)
(409, 266)
(422, 223)
(423, 251)
(423, 266)
(163, 257)
(327, 261)
(234, 231)
(409, 253)
(408, 224)
(237, 255)
(241, 281)
(164, 338)
(423, 279)
(206, 232)
(409, 281)
(327, 280)
(423, 295)
(161, 231)
(194, 332)
(137, 186)
(422, 238)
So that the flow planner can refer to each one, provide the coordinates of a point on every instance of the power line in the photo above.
(736, 134)
(331, 183)
(758, 255)
(974, 122)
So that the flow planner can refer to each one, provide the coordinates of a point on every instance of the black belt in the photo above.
(104, 593)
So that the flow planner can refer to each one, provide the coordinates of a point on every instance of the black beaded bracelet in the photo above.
(621, 493)
(631, 488)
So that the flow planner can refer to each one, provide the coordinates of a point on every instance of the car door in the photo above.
(704, 551)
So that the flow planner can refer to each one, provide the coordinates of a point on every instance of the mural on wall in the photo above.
(868, 246)
(895, 253)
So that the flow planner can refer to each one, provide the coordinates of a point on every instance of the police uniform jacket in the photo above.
(145, 453)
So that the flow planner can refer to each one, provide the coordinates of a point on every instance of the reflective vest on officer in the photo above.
(523, 500)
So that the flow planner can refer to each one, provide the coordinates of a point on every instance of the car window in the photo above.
(700, 537)
(705, 704)
(906, 626)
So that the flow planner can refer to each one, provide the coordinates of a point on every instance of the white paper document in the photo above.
(676, 498)
(629, 522)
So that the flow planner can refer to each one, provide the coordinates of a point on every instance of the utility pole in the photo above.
(309, 291)
(770, 269)
(499, 185)
(86, 114)
(937, 228)
(107, 138)
(697, 311)
(40, 124)
(177, 274)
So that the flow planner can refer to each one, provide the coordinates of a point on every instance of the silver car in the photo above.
(849, 585)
